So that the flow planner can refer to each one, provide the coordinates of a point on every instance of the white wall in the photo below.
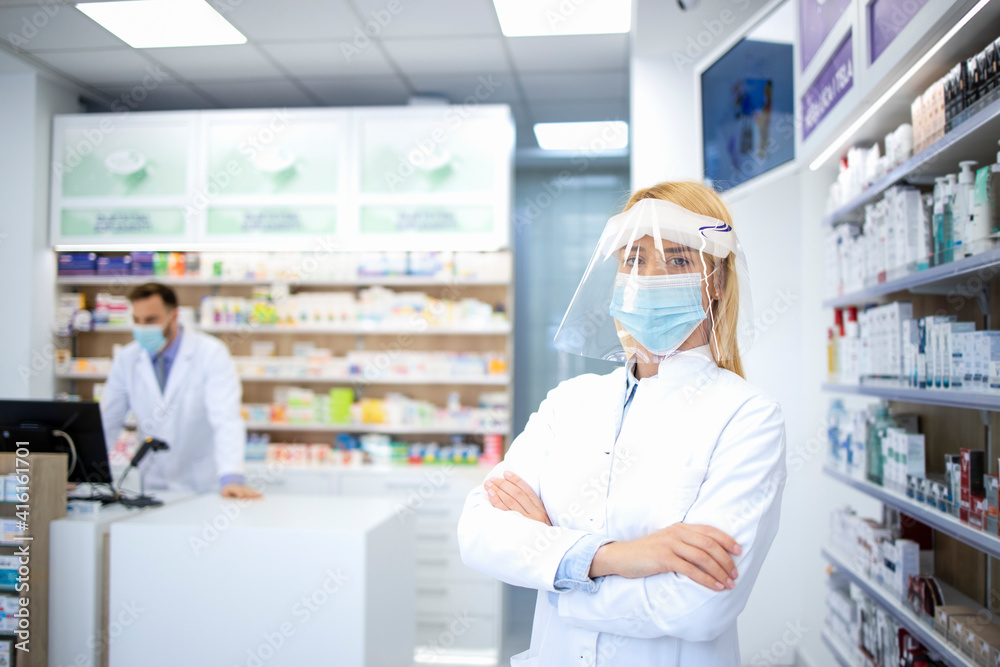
(777, 220)
(26, 300)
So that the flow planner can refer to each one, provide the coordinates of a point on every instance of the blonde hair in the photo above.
(703, 200)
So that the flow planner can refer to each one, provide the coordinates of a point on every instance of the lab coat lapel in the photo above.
(182, 366)
(147, 376)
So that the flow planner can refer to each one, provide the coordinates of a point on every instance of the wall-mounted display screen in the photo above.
(747, 112)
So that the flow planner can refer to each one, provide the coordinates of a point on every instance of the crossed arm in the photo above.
(701, 553)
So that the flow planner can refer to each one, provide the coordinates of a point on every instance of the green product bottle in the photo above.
(951, 241)
(937, 221)
(880, 424)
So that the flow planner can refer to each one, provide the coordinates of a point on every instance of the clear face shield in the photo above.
(661, 278)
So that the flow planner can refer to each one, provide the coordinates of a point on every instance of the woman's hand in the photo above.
(701, 553)
(511, 493)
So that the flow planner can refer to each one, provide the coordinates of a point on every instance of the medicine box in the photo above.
(977, 512)
(10, 490)
(114, 265)
(943, 614)
(10, 532)
(9, 606)
(142, 263)
(958, 625)
(955, 371)
(8, 571)
(972, 462)
(77, 263)
(986, 644)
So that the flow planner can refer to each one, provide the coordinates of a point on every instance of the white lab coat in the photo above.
(699, 445)
(198, 414)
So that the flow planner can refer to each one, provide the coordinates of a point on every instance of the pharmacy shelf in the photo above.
(841, 652)
(495, 329)
(970, 400)
(923, 513)
(388, 429)
(492, 380)
(361, 281)
(965, 142)
(902, 613)
(942, 279)
(108, 328)
(497, 380)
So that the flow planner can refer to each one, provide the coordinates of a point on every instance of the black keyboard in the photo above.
(104, 499)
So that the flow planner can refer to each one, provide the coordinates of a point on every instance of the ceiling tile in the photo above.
(290, 19)
(575, 85)
(167, 97)
(105, 66)
(50, 25)
(577, 110)
(359, 91)
(328, 59)
(429, 19)
(490, 88)
(216, 63)
(569, 52)
(251, 94)
(439, 56)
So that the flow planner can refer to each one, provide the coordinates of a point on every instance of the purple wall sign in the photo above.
(831, 84)
(816, 20)
(886, 19)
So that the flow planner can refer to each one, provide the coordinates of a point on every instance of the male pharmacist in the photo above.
(184, 390)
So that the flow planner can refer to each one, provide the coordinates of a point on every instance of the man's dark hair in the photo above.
(147, 290)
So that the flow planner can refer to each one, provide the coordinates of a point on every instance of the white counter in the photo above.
(77, 558)
(286, 580)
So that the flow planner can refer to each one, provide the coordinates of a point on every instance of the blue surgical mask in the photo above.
(150, 337)
(661, 311)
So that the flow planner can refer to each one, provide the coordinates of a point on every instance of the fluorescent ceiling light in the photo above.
(894, 88)
(526, 18)
(588, 136)
(148, 24)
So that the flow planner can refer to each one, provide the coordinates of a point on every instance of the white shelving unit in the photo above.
(962, 143)
(953, 399)
(936, 37)
(936, 280)
(443, 582)
(340, 206)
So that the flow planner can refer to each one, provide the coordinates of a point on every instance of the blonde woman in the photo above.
(640, 504)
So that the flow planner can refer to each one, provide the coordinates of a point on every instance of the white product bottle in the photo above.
(987, 206)
(965, 204)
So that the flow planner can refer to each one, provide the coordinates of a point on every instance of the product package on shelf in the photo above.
(907, 231)
(373, 306)
(885, 346)
(889, 450)
(304, 407)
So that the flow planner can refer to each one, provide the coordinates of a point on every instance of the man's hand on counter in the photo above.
(239, 491)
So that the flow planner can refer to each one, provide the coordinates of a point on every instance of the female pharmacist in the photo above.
(640, 504)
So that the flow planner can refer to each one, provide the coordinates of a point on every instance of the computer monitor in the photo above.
(52, 427)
